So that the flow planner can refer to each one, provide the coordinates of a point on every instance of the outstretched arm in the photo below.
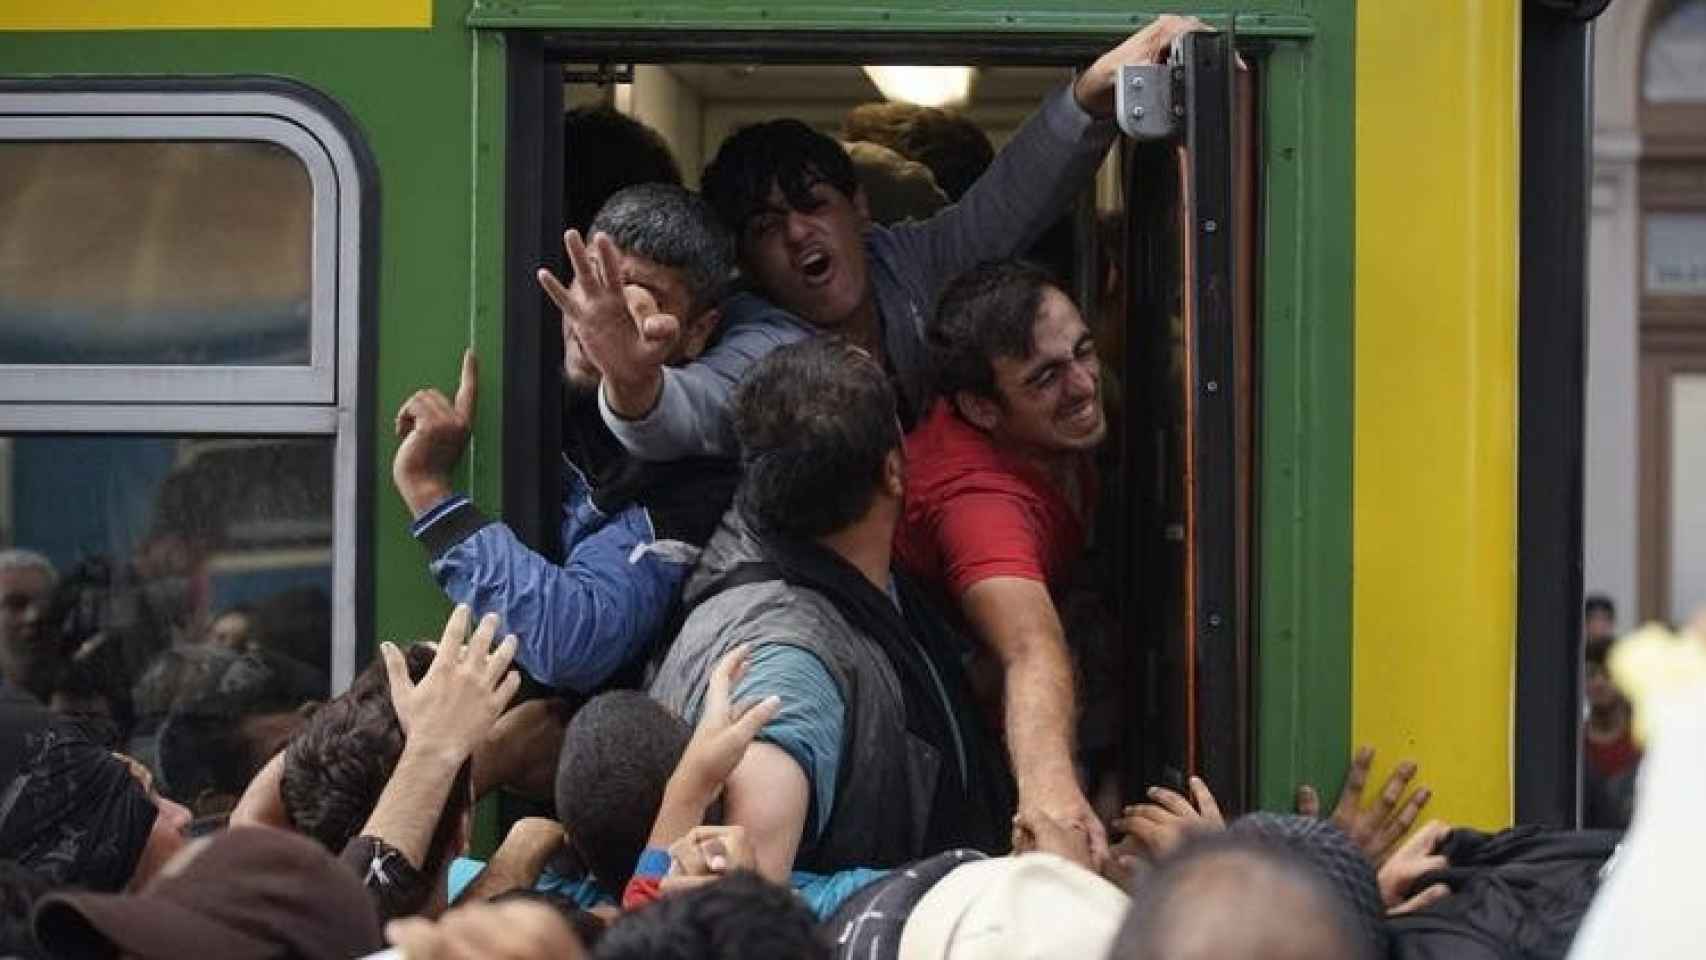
(1038, 174)
(444, 718)
(577, 623)
(1016, 618)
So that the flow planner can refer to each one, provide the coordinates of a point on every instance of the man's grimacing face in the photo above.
(1051, 401)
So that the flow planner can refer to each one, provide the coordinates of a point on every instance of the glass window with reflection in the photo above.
(180, 311)
(150, 252)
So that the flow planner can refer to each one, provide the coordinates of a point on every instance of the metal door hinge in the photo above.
(1149, 100)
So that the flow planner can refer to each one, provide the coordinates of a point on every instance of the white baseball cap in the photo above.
(1036, 906)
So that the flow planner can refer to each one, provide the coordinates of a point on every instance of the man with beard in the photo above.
(630, 529)
(999, 502)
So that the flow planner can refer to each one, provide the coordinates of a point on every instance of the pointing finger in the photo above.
(468, 387)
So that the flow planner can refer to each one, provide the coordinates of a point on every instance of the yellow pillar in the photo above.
(1437, 141)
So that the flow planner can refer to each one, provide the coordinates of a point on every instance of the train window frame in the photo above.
(248, 116)
(331, 396)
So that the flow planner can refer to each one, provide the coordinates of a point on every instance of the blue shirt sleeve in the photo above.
(809, 726)
(578, 623)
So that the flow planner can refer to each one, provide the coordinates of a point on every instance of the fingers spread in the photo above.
(500, 658)
(609, 260)
(455, 636)
(580, 261)
(1350, 798)
(396, 670)
(553, 288)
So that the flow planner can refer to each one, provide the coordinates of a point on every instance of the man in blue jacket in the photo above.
(630, 529)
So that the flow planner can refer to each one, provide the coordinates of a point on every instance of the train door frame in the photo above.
(533, 350)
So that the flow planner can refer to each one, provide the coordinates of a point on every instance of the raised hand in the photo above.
(1094, 89)
(1164, 823)
(434, 433)
(1378, 827)
(453, 708)
(619, 329)
(1410, 862)
(725, 730)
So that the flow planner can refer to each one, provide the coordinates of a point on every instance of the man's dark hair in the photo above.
(1599, 603)
(987, 312)
(603, 151)
(672, 227)
(338, 764)
(1247, 888)
(778, 153)
(956, 150)
(816, 423)
(742, 916)
(618, 754)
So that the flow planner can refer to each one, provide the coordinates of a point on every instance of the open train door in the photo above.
(1188, 379)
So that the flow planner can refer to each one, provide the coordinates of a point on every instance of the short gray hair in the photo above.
(20, 559)
(672, 227)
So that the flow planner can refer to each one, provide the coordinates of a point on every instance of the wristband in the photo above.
(653, 863)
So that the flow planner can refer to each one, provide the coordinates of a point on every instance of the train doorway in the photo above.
(1160, 252)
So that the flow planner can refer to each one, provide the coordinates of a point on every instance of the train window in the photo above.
(179, 247)
(180, 329)
(150, 252)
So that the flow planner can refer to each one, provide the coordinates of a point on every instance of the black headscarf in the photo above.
(69, 810)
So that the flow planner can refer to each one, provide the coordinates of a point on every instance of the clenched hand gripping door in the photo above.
(1186, 375)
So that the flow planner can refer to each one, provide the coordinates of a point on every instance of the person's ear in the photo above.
(980, 411)
(697, 333)
(862, 204)
(894, 473)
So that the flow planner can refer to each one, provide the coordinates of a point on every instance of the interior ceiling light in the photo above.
(925, 86)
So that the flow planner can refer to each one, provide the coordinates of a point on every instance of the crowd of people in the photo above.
(800, 684)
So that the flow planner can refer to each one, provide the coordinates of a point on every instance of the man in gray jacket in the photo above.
(876, 756)
(806, 242)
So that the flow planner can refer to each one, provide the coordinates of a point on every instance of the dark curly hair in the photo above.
(816, 421)
(778, 153)
(339, 762)
(987, 312)
(741, 916)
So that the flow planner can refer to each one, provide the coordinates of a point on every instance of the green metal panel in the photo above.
(1304, 644)
(411, 92)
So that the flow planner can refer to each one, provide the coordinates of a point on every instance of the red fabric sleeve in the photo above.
(988, 535)
(640, 891)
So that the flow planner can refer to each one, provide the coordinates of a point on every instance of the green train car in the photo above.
(234, 237)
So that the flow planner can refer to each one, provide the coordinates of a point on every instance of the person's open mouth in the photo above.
(815, 266)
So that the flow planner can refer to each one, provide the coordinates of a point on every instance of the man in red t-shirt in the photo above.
(1000, 490)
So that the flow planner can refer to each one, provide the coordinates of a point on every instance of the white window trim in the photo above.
(316, 400)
